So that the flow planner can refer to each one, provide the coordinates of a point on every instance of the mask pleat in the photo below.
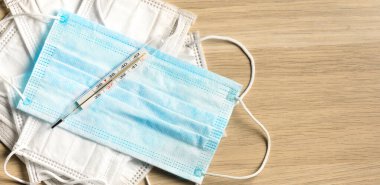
(40, 140)
(86, 66)
(160, 113)
(79, 153)
(84, 78)
(119, 7)
(127, 117)
(63, 87)
(8, 135)
(56, 151)
(173, 103)
(163, 26)
(5, 115)
(11, 65)
(99, 161)
(142, 19)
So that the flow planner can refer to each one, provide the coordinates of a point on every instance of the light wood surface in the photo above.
(317, 90)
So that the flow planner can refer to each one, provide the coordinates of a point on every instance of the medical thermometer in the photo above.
(107, 82)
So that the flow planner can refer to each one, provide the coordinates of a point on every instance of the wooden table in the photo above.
(317, 90)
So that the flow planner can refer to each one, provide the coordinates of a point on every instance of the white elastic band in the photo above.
(6, 163)
(147, 180)
(63, 181)
(266, 157)
(13, 87)
(246, 52)
(240, 99)
(31, 15)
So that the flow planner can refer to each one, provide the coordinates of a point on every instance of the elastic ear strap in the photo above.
(64, 181)
(12, 86)
(147, 180)
(252, 78)
(266, 157)
(6, 164)
(31, 15)
(246, 52)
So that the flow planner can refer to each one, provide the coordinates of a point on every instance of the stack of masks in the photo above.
(169, 113)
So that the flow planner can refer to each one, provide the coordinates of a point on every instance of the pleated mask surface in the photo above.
(8, 134)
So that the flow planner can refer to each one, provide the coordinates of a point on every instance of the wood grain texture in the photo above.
(317, 90)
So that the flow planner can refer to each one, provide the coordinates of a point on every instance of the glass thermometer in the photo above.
(107, 82)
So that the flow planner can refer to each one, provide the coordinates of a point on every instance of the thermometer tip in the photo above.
(58, 122)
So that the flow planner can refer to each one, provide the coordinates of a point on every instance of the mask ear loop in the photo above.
(246, 52)
(267, 153)
(63, 181)
(31, 15)
(13, 87)
(240, 99)
(10, 155)
(147, 180)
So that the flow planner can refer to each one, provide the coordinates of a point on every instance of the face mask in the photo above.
(145, 15)
(11, 50)
(35, 132)
(162, 19)
(32, 139)
(14, 61)
(32, 30)
(7, 130)
(167, 113)
(191, 54)
(152, 20)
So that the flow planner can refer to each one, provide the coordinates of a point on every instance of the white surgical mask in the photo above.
(151, 19)
(8, 134)
(141, 20)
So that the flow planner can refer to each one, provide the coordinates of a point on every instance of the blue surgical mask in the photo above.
(166, 112)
